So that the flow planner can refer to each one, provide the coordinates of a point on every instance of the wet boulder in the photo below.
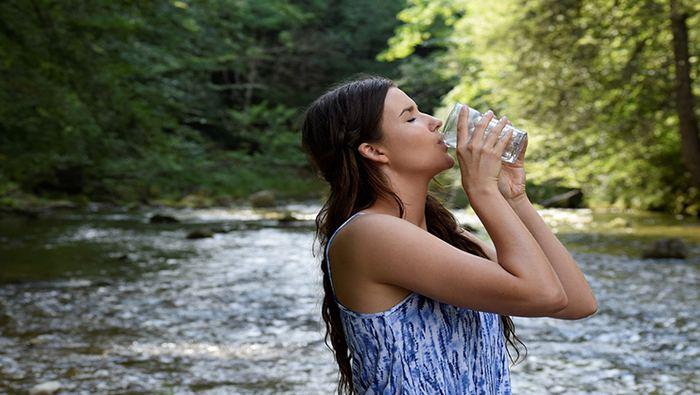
(265, 198)
(47, 388)
(666, 248)
(288, 217)
(570, 199)
(163, 219)
(200, 234)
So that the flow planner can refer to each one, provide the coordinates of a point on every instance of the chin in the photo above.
(449, 163)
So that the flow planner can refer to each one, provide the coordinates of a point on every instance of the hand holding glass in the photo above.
(449, 131)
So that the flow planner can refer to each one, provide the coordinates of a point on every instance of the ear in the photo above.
(372, 152)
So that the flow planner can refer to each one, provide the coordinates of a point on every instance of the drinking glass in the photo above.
(449, 131)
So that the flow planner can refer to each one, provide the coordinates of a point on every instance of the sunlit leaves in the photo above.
(592, 81)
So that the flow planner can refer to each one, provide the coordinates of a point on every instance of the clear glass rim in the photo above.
(451, 118)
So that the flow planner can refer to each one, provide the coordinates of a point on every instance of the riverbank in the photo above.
(608, 230)
(22, 203)
(273, 188)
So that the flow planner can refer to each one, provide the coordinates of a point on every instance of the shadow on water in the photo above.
(71, 247)
(109, 302)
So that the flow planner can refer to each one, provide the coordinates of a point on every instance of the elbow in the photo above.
(577, 312)
(591, 309)
(557, 301)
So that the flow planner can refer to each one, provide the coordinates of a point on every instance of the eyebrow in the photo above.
(407, 109)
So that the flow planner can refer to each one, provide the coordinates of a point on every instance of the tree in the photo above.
(137, 99)
(590, 81)
(685, 101)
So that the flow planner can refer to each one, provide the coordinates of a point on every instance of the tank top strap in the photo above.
(328, 245)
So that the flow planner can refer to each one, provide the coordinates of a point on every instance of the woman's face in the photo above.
(411, 141)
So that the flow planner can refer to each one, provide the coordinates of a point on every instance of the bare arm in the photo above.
(388, 250)
(582, 303)
(519, 252)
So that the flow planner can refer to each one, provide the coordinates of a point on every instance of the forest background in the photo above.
(197, 103)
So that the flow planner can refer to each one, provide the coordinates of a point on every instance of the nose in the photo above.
(436, 124)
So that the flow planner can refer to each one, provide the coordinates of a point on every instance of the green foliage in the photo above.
(421, 48)
(164, 99)
(591, 81)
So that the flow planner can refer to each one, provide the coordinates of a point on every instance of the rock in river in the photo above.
(570, 199)
(667, 248)
(263, 198)
(163, 219)
(200, 234)
(47, 388)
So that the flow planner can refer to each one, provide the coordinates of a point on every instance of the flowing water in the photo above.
(107, 302)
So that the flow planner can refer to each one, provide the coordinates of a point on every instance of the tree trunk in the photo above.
(690, 137)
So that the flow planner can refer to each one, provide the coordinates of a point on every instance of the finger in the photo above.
(463, 125)
(521, 156)
(504, 141)
(480, 129)
(495, 133)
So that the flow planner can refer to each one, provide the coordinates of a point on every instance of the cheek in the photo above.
(412, 148)
(419, 156)
(409, 143)
(414, 137)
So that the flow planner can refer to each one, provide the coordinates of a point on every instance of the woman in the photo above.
(412, 301)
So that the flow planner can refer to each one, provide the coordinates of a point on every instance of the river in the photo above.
(104, 301)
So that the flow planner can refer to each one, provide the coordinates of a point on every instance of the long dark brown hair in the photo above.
(334, 126)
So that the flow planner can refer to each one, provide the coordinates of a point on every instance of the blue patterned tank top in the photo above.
(423, 346)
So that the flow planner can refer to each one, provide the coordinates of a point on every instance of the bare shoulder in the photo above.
(369, 231)
(353, 256)
(375, 229)
(371, 238)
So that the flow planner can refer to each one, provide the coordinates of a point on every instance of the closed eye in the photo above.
(411, 119)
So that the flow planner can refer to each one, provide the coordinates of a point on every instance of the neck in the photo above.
(412, 193)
